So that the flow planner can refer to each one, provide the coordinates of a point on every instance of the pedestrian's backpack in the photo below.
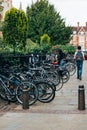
(79, 56)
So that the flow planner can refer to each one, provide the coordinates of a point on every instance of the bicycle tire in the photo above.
(65, 75)
(60, 84)
(33, 93)
(53, 76)
(46, 91)
(71, 67)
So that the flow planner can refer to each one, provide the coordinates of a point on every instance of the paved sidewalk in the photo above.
(60, 114)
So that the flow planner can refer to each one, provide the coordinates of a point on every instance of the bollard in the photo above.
(25, 97)
(81, 97)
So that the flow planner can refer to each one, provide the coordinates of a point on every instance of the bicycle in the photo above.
(11, 88)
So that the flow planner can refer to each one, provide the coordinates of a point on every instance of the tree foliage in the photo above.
(31, 47)
(44, 19)
(45, 43)
(15, 28)
(45, 39)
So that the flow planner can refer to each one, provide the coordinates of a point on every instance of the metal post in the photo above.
(81, 97)
(25, 96)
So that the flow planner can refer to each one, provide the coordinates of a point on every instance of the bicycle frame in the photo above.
(7, 89)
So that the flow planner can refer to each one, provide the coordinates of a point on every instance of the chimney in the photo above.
(86, 24)
(77, 24)
(20, 8)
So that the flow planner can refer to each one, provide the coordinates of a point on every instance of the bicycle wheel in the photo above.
(52, 84)
(33, 92)
(65, 75)
(46, 91)
(53, 76)
(60, 84)
(71, 68)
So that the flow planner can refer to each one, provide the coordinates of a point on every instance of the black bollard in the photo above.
(81, 97)
(25, 96)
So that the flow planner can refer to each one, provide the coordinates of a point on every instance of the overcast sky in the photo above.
(72, 11)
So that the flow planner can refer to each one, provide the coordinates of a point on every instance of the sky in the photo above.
(72, 11)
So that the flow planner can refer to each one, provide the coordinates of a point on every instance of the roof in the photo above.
(78, 29)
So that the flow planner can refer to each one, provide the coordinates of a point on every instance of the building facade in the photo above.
(79, 36)
(6, 5)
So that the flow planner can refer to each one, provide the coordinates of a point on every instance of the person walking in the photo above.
(79, 57)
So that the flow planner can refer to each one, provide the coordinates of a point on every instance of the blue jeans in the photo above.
(79, 68)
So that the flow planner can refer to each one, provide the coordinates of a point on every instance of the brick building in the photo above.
(79, 36)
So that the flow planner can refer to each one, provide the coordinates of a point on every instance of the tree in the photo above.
(45, 43)
(45, 39)
(15, 28)
(43, 19)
